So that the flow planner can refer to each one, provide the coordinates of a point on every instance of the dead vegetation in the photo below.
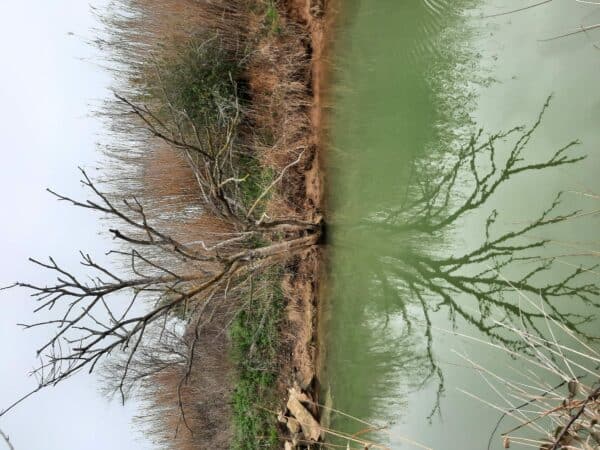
(204, 192)
(553, 400)
(550, 399)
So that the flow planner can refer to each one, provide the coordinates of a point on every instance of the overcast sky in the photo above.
(46, 85)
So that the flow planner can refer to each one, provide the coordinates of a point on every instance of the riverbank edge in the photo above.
(299, 382)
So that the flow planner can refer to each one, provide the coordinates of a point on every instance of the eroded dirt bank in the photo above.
(299, 385)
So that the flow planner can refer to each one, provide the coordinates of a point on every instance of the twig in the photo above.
(564, 431)
(277, 180)
(518, 10)
(7, 440)
(581, 30)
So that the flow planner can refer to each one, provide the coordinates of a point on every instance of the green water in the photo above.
(413, 80)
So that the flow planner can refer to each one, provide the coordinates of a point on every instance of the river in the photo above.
(415, 283)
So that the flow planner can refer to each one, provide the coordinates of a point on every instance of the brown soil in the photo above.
(302, 284)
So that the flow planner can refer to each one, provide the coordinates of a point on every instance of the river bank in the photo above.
(299, 385)
(223, 101)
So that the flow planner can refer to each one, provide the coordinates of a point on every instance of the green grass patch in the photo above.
(255, 344)
(199, 78)
(258, 179)
(272, 19)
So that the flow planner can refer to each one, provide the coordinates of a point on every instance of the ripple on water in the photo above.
(437, 7)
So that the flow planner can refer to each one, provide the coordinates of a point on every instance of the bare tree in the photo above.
(95, 318)
(189, 253)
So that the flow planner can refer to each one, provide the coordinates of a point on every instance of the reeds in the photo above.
(554, 398)
(238, 71)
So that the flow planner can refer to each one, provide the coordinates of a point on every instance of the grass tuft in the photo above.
(258, 177)
(272, 19)
(255, 342)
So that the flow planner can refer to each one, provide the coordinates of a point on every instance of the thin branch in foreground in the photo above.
(525, 8)
(582, 29)
(275, 181)
(7, 440)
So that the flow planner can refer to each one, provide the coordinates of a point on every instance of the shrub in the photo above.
(199, 78)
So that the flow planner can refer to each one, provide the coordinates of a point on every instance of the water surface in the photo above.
(413, 81)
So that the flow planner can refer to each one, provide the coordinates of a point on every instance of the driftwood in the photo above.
(309, 425)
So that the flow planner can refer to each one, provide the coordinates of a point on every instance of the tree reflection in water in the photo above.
(410, 277)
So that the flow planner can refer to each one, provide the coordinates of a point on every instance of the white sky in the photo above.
(46, 132)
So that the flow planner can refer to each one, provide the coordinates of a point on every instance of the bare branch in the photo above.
(273, 183)
(7, 440)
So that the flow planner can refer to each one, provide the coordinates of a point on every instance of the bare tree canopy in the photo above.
(112, 311)
(169, 275)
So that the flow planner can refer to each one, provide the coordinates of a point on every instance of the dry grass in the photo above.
(554, 397)
(203, 393)
(281, 111)
(142, 37)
